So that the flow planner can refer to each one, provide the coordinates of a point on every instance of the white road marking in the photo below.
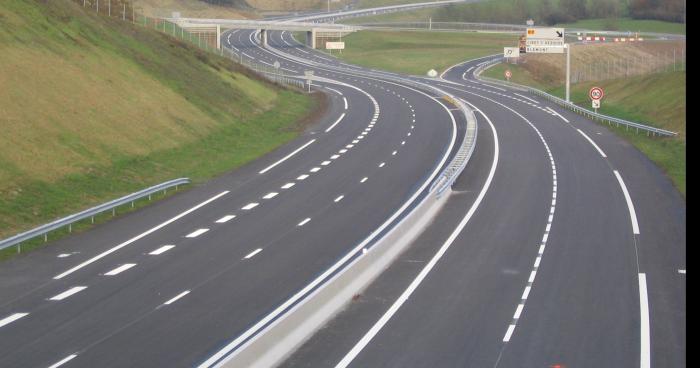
(250, 206)
(350, 356)
(315, 169)
(526, 292)
(339, 199)
(302, 177)
(557, 114)
(288, 185)
(682, 272)
(593, 143)
(509, 333)
(363, 180)
(393, 153)
(225, 219)
(382, 164)
(325, 163)
(336, 123)
(178, 296)
(645, 340)
(304, 222)
(11, 318)
(122, 245)
(120, 269)
(334, 157)
(270, 195)
(527, 98)
(69, 292)
(286, 157)
(334, 90)
(63, 361)
(196, 233)
(253, 253)
(518, 311)
(342, 151)
(630, 205)
(349, 146)
(63, 255)
(345, 101)
(162, 250)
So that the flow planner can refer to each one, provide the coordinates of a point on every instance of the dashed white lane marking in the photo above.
(345, 101)
(342, 151)
(69, 292)
(393, 153)
(325, 163)
(593, 143)
(161, 250)
(250, 206)
(334, 90)
(349, 146)
(63, 361)
(403, 142)
(196, 233)
(63, 255)
(11, 318)
(304, 222)
(518, 311)
(340, 198)
(645, 341)
(509, 333)
(120, 269)
(105, 253)
(363, 180)
(286, 157)
(315, 169)
(557, 114)
(334, 157)
(178, 296)
(253, 253)
(525, 97)
(302, 177)
(382, 164)
(336, 123)
(288, 185)
(630, 205)
(270, 195)
(682, 272)
(225, 219)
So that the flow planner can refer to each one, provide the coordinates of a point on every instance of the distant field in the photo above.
(190, 8)
(627, 24)
(93, 108)
(656, 99)
(417, 52)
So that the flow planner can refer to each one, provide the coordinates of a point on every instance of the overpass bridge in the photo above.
(313, 30)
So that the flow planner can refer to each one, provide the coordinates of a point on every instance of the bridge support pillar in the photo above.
(311, 38)
(263, 37)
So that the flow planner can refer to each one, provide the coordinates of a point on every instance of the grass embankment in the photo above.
(656, 99)
(94, 108)
(627, 25)
(417, 52)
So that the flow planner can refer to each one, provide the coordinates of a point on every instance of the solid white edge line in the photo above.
(336, 123)
(285, 158)
(350, 356)
(161, 250)
(67, 293)
(178, 296)
(253, 253)
(11, 318)
(525, 97)
(63, 361)
(593, 143)
(122, 245)
(645, 339)
(630, 205)
(557, 114)
(120, 269)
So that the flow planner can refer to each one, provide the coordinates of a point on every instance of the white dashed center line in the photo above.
(11, 318)
(162, 250)
(69, 292)
(250, 206)
(178, 296)
(120, 269)
(304, 222)
(196, 233)
(270, 195)
(226, 218)
(253, 253)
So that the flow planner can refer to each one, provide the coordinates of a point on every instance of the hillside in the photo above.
(93, 108)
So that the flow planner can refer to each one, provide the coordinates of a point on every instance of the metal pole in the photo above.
(109, 8)
(98, 6)
(568, 71)
(124, 12)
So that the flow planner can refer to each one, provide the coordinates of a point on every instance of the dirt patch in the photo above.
(321, 104)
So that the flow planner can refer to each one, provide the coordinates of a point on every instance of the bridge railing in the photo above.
(610, 120)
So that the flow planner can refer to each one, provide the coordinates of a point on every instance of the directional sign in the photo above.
(596, 93)
(544, 49)
(546, 33)
(511, 52)
(544, 40)
(335, 45)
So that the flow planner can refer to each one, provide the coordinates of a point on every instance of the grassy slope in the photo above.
(418, 52)
(657, 99)
(95, 108)
(627, 24)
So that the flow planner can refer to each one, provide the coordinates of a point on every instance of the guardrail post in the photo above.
(70, 228)
(46, 237)
(19, 248)
(114, 212)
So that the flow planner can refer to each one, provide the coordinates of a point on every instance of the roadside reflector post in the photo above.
(568, 72)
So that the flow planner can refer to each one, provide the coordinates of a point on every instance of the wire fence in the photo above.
(202, 37)
(622, 67)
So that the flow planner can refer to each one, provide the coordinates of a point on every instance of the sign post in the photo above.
(568, 72)
(309, 74)
(596, 94)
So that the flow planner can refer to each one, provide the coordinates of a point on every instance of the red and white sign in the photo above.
(596, 93)
(508, 74)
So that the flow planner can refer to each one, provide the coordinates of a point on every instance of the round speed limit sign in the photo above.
(596, 93)
(508, 74)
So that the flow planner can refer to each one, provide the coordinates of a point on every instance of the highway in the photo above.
(171, 284)
(576, 256)
(556, 238)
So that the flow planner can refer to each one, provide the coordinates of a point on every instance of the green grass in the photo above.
(417, 52)
(94, 108)
(628, 24)
(658, 100)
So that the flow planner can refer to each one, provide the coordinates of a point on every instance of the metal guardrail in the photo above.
(91, 212)
(568, 105)
(444, 26)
